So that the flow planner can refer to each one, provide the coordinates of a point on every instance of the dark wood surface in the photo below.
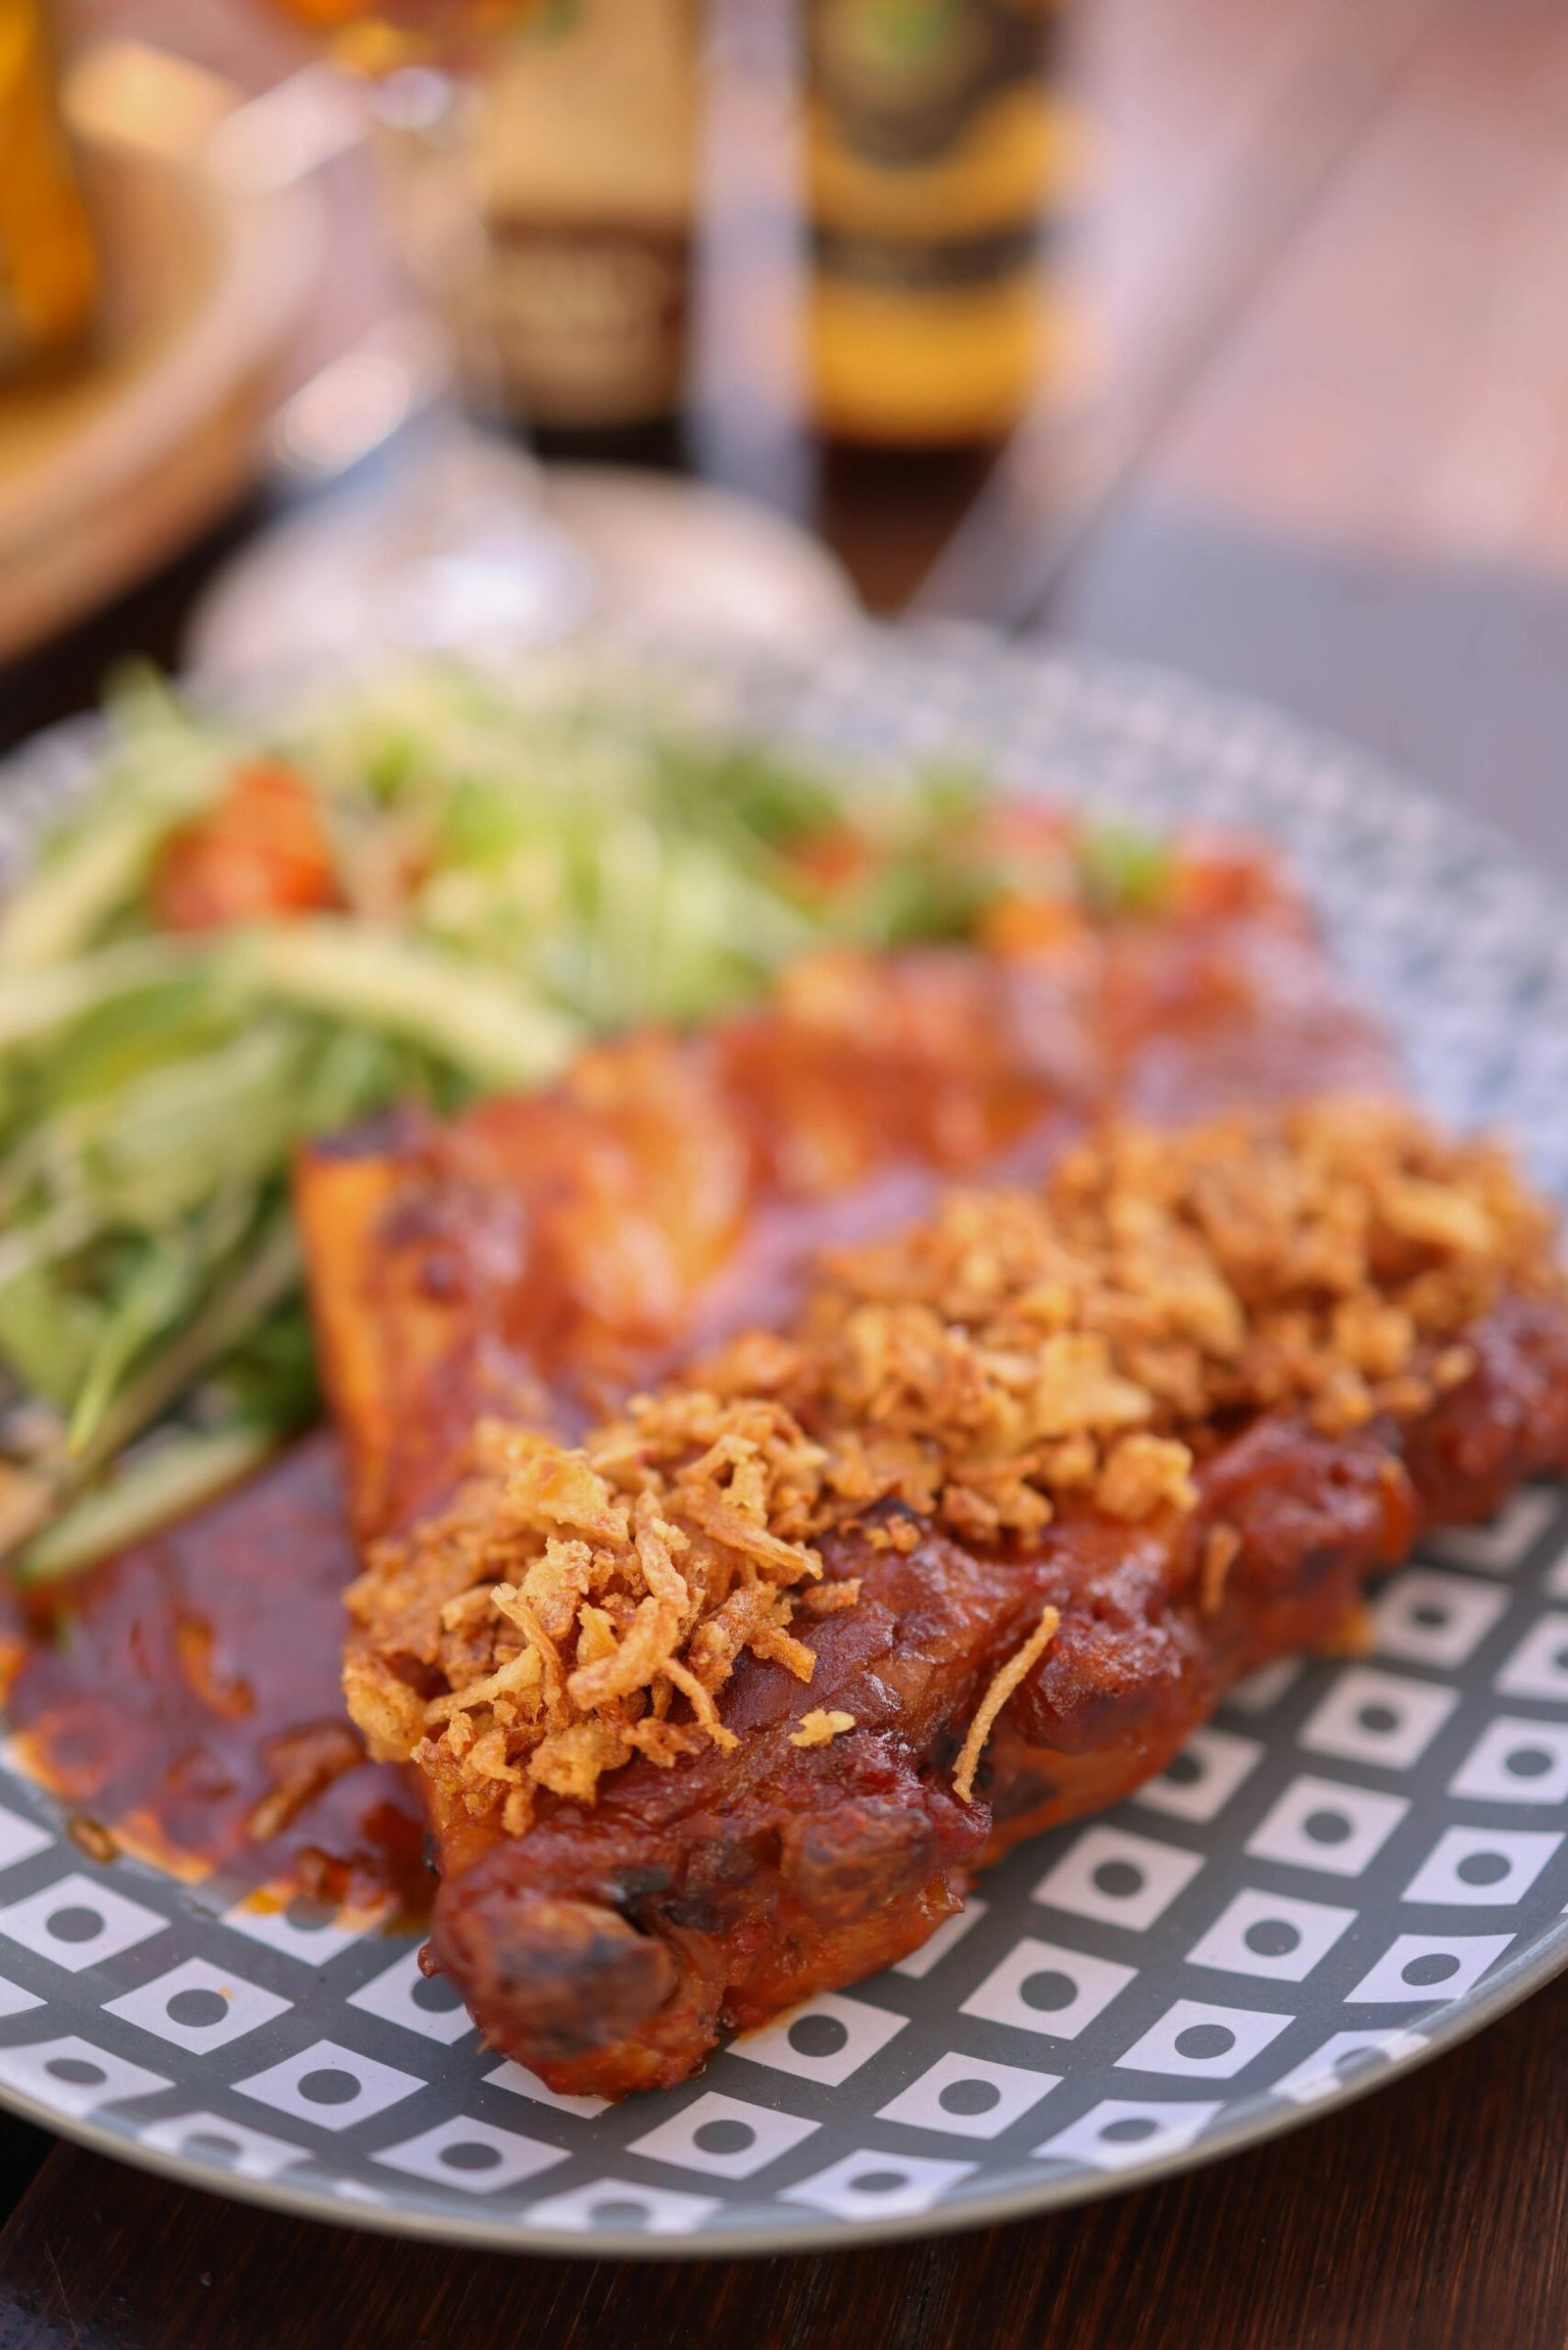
(1328, 466)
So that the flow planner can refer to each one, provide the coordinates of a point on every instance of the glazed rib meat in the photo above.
(719, 1698)
(720, 1708)
(539, 1257)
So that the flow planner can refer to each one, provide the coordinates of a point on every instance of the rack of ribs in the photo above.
(798, 1461)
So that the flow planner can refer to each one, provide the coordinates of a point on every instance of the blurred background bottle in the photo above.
(48, 271)
(588, 175)
(938, 148)
(545, 198)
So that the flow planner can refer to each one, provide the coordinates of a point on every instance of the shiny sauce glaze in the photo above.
(184, 1700)
(535, 1259)
(184, 1704)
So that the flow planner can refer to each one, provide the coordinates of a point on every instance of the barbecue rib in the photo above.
(542, 1255)
(1019, 1514)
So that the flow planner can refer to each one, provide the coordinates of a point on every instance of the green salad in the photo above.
(248, 932)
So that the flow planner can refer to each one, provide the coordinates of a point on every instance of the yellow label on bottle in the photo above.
(937, 146)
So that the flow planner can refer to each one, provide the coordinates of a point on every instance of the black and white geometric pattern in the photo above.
(1355, 1862)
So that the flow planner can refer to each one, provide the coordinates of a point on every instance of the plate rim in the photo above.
(1515, 1980)
(49, 766)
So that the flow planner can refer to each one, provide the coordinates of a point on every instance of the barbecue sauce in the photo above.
(182, 1701)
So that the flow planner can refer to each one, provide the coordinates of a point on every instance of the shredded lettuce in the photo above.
(517, 864)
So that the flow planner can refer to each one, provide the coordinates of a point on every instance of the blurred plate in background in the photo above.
(388, 564)
(105, 476)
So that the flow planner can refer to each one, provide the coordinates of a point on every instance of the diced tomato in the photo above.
(1027, 826)
(834, 859)
(1221, 876)
(260, 852)
(1032, 926)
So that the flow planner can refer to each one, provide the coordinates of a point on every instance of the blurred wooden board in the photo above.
(105, 473)
(1402, 382)
(1219, 125)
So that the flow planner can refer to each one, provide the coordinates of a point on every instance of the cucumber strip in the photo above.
(494, 1031)
(167, 1481)
(229, 1315)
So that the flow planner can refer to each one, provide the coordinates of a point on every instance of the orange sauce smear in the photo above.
(182, 1702)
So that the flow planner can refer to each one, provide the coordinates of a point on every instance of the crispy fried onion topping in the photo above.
(1018, 1667)
(1016, 1351)
(573, 1608)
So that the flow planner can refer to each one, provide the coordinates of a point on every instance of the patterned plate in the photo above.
(1354, 1866)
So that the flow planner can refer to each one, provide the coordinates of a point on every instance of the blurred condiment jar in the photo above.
(48, 269)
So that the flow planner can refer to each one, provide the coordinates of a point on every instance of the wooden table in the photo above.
(1328, 467)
